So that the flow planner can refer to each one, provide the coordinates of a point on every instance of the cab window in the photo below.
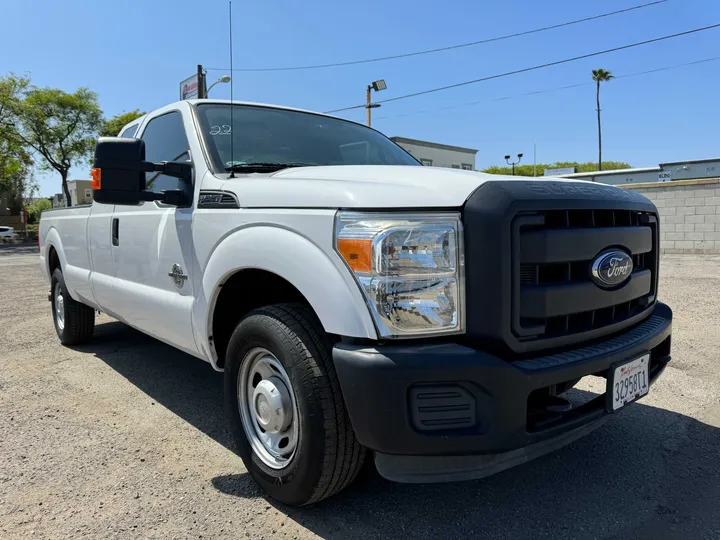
(130, 132)
(165, 140)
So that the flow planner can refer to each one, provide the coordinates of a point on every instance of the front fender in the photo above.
(322, 279)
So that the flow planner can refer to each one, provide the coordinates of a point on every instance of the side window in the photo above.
(467, 167)
(130, 132)
(165, 140)
(426, 162)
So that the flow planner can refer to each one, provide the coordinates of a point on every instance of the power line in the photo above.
(470, 104)
(451, 47)
(534, 68)
(668, 67)
(547, 90)
(550, 64)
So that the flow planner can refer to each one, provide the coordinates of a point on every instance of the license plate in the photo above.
(628, 382)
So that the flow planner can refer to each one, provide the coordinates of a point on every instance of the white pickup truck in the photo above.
(358, 301)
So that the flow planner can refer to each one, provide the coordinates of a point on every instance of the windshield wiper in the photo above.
(265, 166)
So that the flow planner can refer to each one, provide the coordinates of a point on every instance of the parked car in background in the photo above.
(7, 234)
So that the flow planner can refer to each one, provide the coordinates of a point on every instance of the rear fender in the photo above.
(52, 240)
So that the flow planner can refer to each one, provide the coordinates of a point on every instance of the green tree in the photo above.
(600, 76)
(15, 182)
(112, 127)
(15, 160)
(527, 170)
(59, 127)
(37, 208)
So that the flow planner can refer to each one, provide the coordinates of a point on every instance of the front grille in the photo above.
(538, 274)
(554, 294)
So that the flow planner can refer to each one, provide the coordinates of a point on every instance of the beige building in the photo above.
(438, 155)
(80, 192)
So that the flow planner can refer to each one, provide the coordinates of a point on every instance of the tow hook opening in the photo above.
(564, 403)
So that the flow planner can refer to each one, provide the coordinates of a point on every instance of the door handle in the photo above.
(115, 232)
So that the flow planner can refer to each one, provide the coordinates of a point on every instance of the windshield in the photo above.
(263, 135)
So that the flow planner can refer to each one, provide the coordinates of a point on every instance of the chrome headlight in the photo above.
(409, 268)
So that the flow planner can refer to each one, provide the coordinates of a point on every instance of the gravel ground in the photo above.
(125, 438)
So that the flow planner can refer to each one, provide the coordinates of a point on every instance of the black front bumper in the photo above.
(384, 386)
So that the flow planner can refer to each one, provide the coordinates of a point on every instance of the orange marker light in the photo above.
(357, 253)
(96, 178)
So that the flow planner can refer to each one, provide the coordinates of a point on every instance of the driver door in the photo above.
(152, 246)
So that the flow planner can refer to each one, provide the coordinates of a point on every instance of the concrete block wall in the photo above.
(689, 214)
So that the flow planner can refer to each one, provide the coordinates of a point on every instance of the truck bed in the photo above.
(69, 228)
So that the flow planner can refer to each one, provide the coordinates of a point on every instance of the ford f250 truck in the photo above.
(357, 301)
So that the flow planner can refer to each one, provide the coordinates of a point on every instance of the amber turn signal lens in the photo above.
(357, 253)
(96, 178)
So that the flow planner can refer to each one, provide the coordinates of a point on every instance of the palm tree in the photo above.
(600, 75)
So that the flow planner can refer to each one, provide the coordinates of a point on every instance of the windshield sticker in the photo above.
(220, 130)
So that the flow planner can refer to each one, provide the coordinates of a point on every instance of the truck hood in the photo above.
(360, 186)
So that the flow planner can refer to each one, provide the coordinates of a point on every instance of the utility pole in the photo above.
(202, 88)
(534, 158)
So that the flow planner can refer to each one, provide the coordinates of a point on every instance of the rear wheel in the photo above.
(74, 321)
(285, 407)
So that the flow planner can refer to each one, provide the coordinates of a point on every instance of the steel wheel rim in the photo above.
(59, 307)
(268, 408)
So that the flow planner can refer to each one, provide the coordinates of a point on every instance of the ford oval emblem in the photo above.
(612, 268)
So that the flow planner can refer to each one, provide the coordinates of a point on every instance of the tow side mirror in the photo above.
(119, 174)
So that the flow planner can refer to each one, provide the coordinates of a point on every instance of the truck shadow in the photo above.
(185, 385)
(649, 473)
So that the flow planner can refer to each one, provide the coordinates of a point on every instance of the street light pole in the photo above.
(377, 86)
(223, 79)
(368, 104)
(513, 163)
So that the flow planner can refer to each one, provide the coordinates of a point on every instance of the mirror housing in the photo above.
(119, 174)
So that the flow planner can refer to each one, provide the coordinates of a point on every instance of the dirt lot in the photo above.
(125, 438)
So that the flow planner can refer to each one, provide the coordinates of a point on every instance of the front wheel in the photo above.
(285, 406)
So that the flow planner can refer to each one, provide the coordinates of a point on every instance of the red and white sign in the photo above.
(189, 88)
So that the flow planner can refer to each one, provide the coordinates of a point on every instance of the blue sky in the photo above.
(134, 53)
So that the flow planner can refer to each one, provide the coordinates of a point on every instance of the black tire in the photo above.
(79, 322)
(328, 456)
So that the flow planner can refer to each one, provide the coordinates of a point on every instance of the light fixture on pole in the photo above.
(223, 79)
(377, 86)
(513, 163)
